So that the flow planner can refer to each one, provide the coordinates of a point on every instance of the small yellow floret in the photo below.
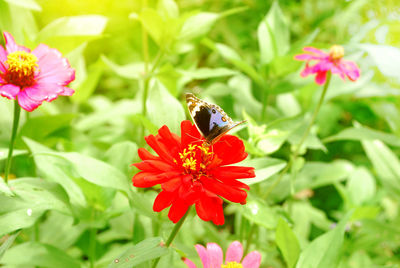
(190, 163)
(232, 264)
(336, 52)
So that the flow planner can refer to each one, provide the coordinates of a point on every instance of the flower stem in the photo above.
(303, 139)
(250, 238)
(173, 234)
(17, 111)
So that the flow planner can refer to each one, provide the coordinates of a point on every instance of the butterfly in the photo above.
(210, 119)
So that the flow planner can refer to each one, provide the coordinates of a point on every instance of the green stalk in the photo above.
(17, 111)
(304, 137)
(173, 234)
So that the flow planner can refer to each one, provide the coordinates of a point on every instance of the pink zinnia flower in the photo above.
(331, 61)
(33, 76)
(212, 257)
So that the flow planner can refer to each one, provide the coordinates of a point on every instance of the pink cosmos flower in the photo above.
(331, 61)
(212, 257)
(33, 76)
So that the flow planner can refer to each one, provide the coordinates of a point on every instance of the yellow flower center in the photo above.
(21, 68)
(232, 264)
(336, 52)
(189, 160)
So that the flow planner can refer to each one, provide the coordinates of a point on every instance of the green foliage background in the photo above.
(72, 203)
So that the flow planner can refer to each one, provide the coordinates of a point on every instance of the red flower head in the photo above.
(192, 172)
(33, 76)
(331, 61)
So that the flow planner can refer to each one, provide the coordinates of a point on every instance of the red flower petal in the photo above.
(178, 209)
(230, 193)
(163, 200)
(230, 149)
(145, 155)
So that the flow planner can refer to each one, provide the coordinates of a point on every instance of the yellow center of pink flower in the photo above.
(195, 157)
(21, 68)
(336, 52)
(232, 264)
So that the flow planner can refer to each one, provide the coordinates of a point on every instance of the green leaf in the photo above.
(88, 86)
(154, 25)
(85, 25)
(121, 155)
(386, 165)
(206, 73)
(54, 169)
(67, 33)
(4, 188)
(287, 243)
(146, 250)
(264, 168)
(197, 25)
(36, 191)
(261, 213)
(32, 198)
(325, 250)
(96, 171)
(385, 58)
(360, 133)
(37, 254)
(273, 34)
(130, 71)
(231, 55)
(60, 230)
(168, 8)
(361, 186)
(28, 4)
(42, 128)
(317, 174)
(163, 108)
(8, 243)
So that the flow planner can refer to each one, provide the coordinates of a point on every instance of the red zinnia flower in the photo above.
(331, 61)
(192, 172)
(33, 77)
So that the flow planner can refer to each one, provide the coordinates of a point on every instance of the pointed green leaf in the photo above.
(386, 165)
(146, 250)
(163, 108)
(287, 243)
(37, 254)
(325, 250)
(273, 34)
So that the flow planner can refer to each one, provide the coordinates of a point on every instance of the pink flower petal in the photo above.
(252, 260)
(203, 255)
(11, 46)
(322, 66)
(234, 252)
(9, 91)
(350, 69)
(320, 78)
(189, 263)
(67, 91)
(27, 103)
(307, 71)
(316, 51)
(337, 70)
(215, 255)
(307, 57)
(3, 58)
(43, 92)
(54, 69)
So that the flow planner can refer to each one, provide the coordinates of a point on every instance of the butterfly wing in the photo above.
(210, 119)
